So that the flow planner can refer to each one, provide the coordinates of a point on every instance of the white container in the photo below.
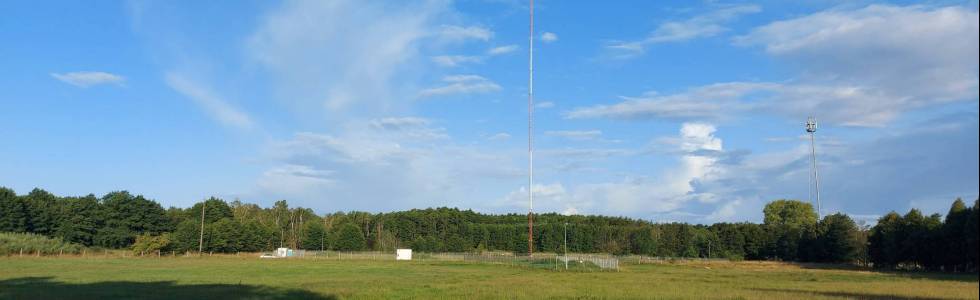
(403, 254)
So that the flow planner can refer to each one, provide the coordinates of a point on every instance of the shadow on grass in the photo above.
(849, 295)
(46, 288)
(961, 277)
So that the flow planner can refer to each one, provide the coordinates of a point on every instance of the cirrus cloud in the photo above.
(88, 78)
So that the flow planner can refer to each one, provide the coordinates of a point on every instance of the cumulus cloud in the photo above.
(700, 26)
(219, 108)
(461, 84)
(87, 79)
(923, 165)
(642, 196)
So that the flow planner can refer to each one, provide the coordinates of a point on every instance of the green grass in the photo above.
(252, 278)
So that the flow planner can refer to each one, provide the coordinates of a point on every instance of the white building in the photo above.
(403, 254)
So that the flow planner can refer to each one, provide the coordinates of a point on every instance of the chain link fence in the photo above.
(575, 262)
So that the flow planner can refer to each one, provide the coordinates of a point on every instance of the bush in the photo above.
(13, 243)
(734, 257)
(146, 243)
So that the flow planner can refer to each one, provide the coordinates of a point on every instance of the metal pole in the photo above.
(200, 243)
(811, 128)
(530, 136)
(566, 245)
(816, 175)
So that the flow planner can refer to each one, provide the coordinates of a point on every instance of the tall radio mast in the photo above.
(530, 136)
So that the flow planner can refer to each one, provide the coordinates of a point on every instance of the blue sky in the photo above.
(664, 111)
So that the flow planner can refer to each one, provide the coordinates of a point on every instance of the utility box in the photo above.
(403, 254)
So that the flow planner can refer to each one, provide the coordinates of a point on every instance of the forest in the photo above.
(790, 231)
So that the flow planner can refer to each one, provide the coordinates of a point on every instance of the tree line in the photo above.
(791, 231)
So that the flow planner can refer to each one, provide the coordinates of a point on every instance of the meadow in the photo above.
(241, 277)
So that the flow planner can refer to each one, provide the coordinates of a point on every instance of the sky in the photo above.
(664, 111)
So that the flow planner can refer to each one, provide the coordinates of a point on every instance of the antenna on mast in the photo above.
(814, 184)
(530, 135)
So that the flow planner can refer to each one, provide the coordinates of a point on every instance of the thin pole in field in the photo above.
(200, 243)
(566, 245)
(530, 136)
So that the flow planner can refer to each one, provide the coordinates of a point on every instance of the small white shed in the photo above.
(282, 252)
(403, 254)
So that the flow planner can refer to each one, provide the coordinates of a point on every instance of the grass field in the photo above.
(252, 278)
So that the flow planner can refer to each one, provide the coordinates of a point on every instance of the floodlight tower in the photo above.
(530, 134)
(814, 184)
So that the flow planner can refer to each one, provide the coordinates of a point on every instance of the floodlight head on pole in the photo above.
(811, 125)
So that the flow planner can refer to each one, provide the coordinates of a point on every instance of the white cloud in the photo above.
(499, 136)
(549, 37)
(700, 26)
(884, 50)
(87, 79)
(455, 60)
(545, 195)
(834, 103)
(699, 136)
(544, 105)
(218, 107)
(927, 164)
(291, 180)
(725, 213)
(502, 50)
(709, 101)
(413, 127)
(370, 167)
(578, 135)
(859, 67)
(460, 33)
(639, 196)
(461, 84)
(339, 56)
(400, 123)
